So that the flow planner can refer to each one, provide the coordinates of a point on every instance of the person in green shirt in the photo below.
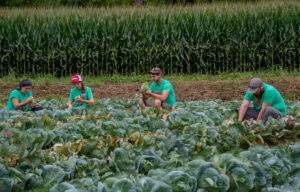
(22, 98)
(80, 95)
(267, 102)
(160, 93)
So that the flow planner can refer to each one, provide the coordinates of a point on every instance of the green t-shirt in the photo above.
(21, 98)
(164, 86)
(270, 96)
(87, 95)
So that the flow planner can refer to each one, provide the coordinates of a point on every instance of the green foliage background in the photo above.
(55, 3)
(182, 40)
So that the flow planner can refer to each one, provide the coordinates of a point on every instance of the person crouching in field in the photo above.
(160, 93)
(267, 102)
(80, 95)
(22, 98)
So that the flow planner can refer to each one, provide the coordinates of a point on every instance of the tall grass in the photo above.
(206, 39)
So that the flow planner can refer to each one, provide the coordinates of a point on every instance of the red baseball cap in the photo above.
(76, 79)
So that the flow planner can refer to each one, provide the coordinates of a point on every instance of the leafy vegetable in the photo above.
(145, 87)
(107, 148)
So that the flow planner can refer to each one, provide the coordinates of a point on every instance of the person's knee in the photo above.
(268, 110)
(157, 103)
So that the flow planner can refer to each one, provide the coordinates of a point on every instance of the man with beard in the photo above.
(267, 102)
(160, 93)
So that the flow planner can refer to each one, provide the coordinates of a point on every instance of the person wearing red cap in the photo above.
(80, 95)
(267, 102)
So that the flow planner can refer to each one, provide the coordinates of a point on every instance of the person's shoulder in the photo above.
(247, 92)
(166, 82)
(73, 89)
(153, 83)
(269, 87)
(15, 91)
(87, 89)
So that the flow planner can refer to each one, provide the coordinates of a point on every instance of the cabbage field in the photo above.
(113, 147)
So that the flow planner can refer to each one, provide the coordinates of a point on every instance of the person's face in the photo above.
(155, 76)
(25, 89)
(78, 85)
(258, 92)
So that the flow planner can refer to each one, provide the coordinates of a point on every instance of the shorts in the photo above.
(149, 102)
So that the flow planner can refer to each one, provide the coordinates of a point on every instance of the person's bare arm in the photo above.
(243, 109)
(89, 102)
(145, 94)
(16, 103)
(70, 104)
(262, 111)
(162, 97)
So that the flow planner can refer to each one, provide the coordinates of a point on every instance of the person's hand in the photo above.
(70, 106)
(149, 93)
(29, 100)
(79, 100)
(145, 96)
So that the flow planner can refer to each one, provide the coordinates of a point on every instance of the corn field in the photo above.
(205, 39)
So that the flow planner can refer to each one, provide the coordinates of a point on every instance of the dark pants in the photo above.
(252, 113)
(32, 109)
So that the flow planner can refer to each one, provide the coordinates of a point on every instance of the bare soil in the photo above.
(184, 91)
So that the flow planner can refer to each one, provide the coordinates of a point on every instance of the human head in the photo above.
(255, 86)
(25, 86)
(77, 81)
(156, 74)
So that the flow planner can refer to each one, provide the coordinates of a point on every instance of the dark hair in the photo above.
(82, 86)
(24, 83)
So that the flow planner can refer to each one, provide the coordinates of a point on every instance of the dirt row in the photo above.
(184, 91)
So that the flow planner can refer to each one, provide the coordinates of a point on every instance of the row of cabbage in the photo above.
(115, 147)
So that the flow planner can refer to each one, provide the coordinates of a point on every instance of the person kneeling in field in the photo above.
(22, 98)
(160, 93)
(80, 95)
(267, 102)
